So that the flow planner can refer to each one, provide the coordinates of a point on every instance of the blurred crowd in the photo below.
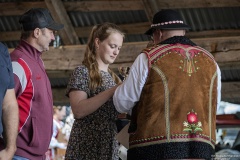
(62, 124)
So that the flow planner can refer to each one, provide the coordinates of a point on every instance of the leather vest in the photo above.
(179, 99)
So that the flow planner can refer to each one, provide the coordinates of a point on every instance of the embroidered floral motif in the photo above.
(192, 125)
(189, 66)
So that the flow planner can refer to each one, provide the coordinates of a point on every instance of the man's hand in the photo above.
(7, 154)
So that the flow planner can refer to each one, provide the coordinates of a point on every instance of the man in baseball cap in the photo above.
(32, 86)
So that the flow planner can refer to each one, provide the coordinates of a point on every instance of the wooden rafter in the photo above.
(231, 91)
(57, 59)
(148, 10)
(135, 28)
(17, 8)
(58, 11)
(87, 6)
(196, 3)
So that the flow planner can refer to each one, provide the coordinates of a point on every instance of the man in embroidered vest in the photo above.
(172, 93)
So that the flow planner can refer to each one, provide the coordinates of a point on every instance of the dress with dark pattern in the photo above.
(93, 137)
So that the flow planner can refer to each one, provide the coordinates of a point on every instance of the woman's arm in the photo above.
(83, 106)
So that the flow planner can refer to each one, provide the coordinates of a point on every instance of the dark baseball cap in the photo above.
(38, 18)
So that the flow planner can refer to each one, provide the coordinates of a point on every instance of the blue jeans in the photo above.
(19, 158)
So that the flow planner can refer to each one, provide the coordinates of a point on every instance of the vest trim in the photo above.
(210, 103)
(166, 90)
(158, 51)
(174, 138)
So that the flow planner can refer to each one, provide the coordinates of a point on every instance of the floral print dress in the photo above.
(93, 137)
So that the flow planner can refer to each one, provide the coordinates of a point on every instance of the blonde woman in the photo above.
(90, 90)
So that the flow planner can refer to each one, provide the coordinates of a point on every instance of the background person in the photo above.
(68, 124)
(172, 93)
(58, 140)
(32, 86)
(8, 107)
(90, 90)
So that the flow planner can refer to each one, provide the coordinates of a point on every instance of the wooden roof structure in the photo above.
(215, 27)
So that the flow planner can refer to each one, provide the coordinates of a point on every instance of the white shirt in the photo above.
(56, 128)
(128, 94)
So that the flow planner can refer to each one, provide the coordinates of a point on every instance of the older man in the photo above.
(172, 93)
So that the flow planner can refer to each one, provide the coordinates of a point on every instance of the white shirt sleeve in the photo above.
(219, 86)
(128, 93)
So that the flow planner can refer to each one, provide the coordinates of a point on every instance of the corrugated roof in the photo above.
(200, 19)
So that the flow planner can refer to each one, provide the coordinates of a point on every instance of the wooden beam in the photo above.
(141, 28)
(10, 36)
(68, 57)
(229, 65)
(164, 4)
(59, 96)
(225, 50)
(149, 10)
(58, 73)
(231, 92)
(214, 33)
(90, 6)
(57, 9)
(218, 44)
(135, 28)
(229, 57)
(18, 8)
(64, 57)
(131, 29)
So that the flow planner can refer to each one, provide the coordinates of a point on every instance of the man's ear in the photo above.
(160, 32)
(36, 32)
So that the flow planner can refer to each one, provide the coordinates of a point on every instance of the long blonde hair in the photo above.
(102, 32)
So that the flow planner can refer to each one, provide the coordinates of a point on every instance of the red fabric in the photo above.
(25, 99)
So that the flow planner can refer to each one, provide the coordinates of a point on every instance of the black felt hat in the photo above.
(38, 18)
(167, 19)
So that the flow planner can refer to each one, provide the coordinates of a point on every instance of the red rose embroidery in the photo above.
(192, 125)
(192, 117)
